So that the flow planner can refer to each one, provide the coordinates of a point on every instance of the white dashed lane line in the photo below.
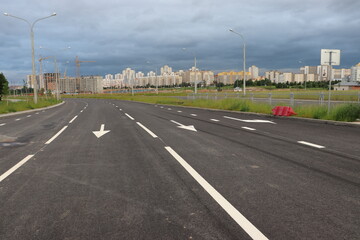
(147, 130)
(18, 119)
(193, 114)
(73, 119)
(2, 124)
(311, 144)
(28, 116)
(179, 111)
(13, 169)
(129, 116)
(247, 128)
(214, 120)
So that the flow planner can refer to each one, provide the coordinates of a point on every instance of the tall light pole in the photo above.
(31, 25)
(57, 72)
(185, 49)
(244, 50)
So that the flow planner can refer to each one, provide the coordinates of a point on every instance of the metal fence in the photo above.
(292, 99)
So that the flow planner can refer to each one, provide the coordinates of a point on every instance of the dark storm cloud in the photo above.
(119, 34)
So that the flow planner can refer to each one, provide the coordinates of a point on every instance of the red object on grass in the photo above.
(283, 111)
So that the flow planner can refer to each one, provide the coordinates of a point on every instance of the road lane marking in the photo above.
(73, 119)
(37, 113)
(3, 124)
(129, 116)
(214, 120)
(18, 119)
(247, 128)
(311, 144)
(169, 109)
(81, 111)
(120, 109)
(193, 114)
(13, 169)
(28, 116)
(250, 121)
(179, 111)
(147, 130)
(56, 135)
(245, 224)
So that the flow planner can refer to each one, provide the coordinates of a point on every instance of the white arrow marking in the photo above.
(190, 127)
(102, 132)
(250, 121)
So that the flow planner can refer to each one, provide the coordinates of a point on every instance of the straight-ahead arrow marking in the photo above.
(102, 132)
(250, 121)
(190, 127)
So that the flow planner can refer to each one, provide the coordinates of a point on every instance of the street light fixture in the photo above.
(57, 72)
(244, 49)
(31, 25)
(185, 49)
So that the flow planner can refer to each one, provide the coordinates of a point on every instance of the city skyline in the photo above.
(279, 35)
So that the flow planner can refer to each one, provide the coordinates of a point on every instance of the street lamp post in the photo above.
(244, 50)
(185, 49)
(57, 72)
(31, 25)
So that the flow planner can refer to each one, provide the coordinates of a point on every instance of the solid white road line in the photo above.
(193, 115)
(247, 128)
(3, 124)
(214, 120)
(13, 169)
(73, 119)
(147, 130)
(245, 224)
(311, 144)
(56, 135)
(129, 116)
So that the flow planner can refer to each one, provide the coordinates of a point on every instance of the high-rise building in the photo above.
(254, 72)
(355, 73)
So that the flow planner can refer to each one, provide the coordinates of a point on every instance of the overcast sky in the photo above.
(145, 35)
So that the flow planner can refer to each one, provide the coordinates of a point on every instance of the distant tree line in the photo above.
(267, 82)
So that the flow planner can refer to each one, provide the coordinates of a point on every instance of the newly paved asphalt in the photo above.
(237, 176)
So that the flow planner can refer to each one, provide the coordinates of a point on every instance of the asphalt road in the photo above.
(161, 172)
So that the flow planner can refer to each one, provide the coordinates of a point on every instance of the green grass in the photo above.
(9, 107)
(344, 112)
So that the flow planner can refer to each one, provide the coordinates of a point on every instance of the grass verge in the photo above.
(9, 107)
(344, 112)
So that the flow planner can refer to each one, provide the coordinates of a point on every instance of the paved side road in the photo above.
(159, 172)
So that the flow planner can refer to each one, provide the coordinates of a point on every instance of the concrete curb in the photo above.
(29, 111)
(330, 122)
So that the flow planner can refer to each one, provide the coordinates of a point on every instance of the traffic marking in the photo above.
(250, 121)
(214, 120)
(311, 144)
(147, 130)
(2, 124)
(56, 135)
(193, 114)
(73, 119)
(247, 128)
(245, 224)
(129, 116)
(17, 119)
(190, 127)
(179, 111)
(102, 132)
(28, 116)
(169, 108)
(13, 169)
